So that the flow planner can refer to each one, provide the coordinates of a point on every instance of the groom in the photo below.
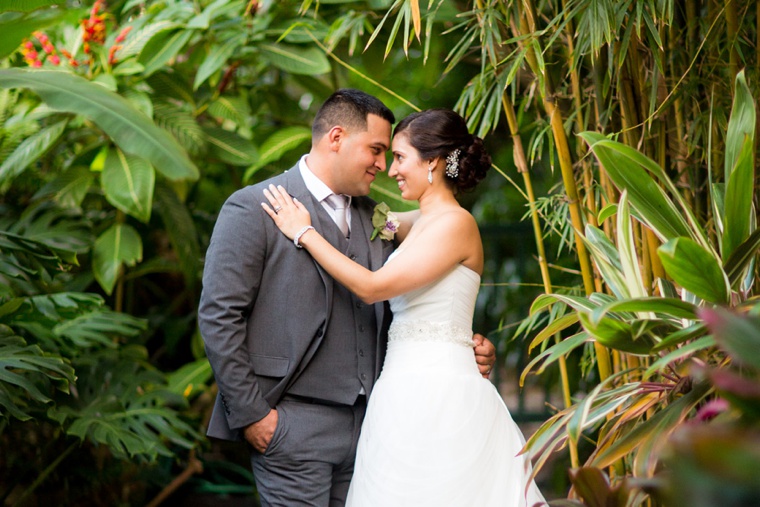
(295, 354)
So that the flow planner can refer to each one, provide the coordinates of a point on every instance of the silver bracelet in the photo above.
(300, 233)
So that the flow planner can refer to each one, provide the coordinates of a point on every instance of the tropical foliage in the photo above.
(126, 124)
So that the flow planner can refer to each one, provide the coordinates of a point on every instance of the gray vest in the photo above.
(345, 360)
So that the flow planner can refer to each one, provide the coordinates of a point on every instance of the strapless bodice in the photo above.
(441, 311)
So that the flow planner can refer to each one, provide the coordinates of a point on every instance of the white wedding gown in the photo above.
(436, 432)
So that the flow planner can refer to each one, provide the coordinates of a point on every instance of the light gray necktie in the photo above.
(339, 203)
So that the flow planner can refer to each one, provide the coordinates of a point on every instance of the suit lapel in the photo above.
(297, 188)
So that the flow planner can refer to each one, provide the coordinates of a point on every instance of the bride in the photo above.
(436, 433)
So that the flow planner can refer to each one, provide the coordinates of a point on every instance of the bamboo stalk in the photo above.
(522, 167)
(527, 28)
(732, 32)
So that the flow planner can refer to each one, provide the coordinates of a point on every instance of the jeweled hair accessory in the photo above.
(452, 164)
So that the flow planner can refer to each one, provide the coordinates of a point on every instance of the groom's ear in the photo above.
(335, 137)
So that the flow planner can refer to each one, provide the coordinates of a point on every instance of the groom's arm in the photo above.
(231, 280)
(485, 354)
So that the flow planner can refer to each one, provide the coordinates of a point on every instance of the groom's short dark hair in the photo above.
(348, 108)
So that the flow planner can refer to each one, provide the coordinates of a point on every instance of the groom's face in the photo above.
(362, 156)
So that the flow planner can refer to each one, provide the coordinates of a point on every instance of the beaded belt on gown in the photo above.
(423, 330)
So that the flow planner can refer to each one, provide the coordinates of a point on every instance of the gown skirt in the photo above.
(438, 434)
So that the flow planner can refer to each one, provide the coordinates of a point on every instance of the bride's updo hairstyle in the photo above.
(438, 133)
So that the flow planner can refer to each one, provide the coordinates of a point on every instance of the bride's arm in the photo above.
(442, 245)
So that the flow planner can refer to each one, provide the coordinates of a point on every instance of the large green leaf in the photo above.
(740, 191)
(99, 327)
(740, 126)
(230, 147)
(741, 257)
(69, 188)
(21, 366)
(128, 184)
(308, 60)
(31, 150)
(131, 130)
(137, 40)
(216, 58)
(695, 269)
(629, 261)
(27, 5)
(670, 307)
(161, 48)
(739, 335)
(624, 167)
(118, 245)
(619, 335)
(15, 28)
(276, 146)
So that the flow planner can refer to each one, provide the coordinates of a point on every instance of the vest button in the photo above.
(364, 377)
(352, 257)
(361, 352)
(361, 328)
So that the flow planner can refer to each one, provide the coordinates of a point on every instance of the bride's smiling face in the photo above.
(408, 169)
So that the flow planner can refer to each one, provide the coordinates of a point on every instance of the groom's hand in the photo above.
(260, 433)
(485, 354)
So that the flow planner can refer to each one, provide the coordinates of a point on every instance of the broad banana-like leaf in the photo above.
(131, 130)
(276, 146)
(740, 191)
(307, 60)
(31, 150)
(120, 244)
(229, 147)
(128, 183)
(695, 269)
(739, 335)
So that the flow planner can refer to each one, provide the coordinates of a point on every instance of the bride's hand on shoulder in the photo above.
(287, 212)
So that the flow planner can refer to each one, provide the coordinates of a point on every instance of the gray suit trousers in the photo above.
(310, 460)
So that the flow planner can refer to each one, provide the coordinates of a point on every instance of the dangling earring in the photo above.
(430, 174)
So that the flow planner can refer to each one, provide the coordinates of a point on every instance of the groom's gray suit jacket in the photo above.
(265, 304)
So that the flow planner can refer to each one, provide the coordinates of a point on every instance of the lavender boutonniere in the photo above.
(385, 222)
